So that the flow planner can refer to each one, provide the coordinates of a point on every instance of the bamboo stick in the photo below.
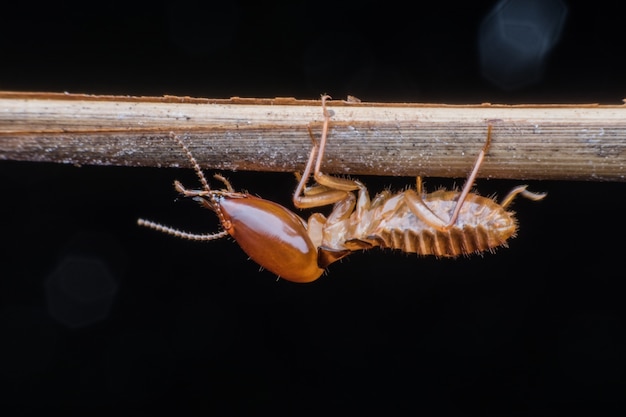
(556, 142)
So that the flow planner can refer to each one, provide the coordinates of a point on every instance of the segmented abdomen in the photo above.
(482, 225)
(454, 242)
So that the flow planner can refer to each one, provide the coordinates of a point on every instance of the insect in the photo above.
(443, 223)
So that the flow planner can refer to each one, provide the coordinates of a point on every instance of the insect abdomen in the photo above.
(482, 225)
(453, 242)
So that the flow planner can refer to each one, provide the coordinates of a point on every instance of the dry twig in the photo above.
(558, 142)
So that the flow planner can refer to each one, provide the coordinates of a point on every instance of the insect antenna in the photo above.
(192, 159)
(179, 233)
(212, 202)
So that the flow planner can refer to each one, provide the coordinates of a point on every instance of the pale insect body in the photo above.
(442, 223)
(389, 222)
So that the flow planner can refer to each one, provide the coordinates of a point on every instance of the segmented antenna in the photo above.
(192, 159)
(179, 233)
(208, 193)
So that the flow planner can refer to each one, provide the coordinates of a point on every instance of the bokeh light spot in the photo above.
(80, 291)
(515, 40)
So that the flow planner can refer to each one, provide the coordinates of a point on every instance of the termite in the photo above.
(443, 223)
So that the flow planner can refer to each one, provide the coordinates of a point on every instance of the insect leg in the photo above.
(419, 185)
(521, 190)
(317, 196)
(336, 183)
(423, 212)
(469, 183)
(329, 189)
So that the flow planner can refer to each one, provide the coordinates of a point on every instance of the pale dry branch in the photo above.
(557, 142)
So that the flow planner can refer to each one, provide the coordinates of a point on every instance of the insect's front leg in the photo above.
(328, 189)
(319, 195)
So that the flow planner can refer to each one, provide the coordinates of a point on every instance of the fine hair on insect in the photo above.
(444, 223)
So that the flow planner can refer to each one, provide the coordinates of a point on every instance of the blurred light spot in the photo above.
(515, 39)
(81, 290)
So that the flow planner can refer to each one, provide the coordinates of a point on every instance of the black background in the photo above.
(195, 329)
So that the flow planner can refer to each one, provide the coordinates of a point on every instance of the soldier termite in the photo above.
(443, 223)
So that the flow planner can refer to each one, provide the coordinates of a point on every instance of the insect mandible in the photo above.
(443, 223)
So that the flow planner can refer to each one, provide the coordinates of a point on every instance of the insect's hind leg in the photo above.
(422, 211)
(521, 190)
(469, 183)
